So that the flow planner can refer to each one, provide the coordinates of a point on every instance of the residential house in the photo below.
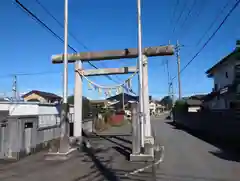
(226, 78)
(122, 99)
(152, 107)
(42, 97)
(155, 107)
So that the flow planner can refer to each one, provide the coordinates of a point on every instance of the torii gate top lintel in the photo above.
(115, 54)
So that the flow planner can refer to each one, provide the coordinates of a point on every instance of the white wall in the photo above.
(27, 109)
(19, 109)
(152, 105)
(21, 139)
(48, 109)
(48, 115)
(219, 75)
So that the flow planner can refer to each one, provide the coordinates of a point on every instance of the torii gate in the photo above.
(79, 58)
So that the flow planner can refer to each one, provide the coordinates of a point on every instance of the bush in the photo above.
(180, 106)
(86, 108)
(107, 115)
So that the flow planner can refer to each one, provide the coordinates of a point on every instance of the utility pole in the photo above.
(169, 81)
(168, 76)
(178, 63)
(64, 141)
(140, 74)
(171, 91)
(14, 87)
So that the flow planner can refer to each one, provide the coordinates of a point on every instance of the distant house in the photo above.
(122, 98)
(155, 107)
(99, 103)
(42, 97)
(226, 77)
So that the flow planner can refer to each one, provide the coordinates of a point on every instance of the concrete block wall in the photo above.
(221, 124)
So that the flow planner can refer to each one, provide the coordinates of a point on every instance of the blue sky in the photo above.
(27, 48)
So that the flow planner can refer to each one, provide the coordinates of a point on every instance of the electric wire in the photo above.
(34, 17)
(213, 22)
(211, 37)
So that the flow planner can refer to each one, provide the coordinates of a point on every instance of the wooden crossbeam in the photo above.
(115, 54)
(109, 71)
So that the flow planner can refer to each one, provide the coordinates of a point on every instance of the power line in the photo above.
(174, 10)
(27, 74)
(213, 22)
(184, 92)
(198, 13)
(69, 32)
(61, 24)
(189, 13)
(180, 15)
(34, 17)
(45, 26)
(211, 37)
(201, 8)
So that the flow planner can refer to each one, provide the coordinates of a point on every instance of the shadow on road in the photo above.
(116, 143)
(122, 151)
(107, 173)
(227, 155)
(122, 139)
(227, 150)
(104, 162)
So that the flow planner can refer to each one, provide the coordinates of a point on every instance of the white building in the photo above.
(225, 77)
(27, 127)
(155, 108)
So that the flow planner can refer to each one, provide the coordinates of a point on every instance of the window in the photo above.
(28, 125)
(226, 74)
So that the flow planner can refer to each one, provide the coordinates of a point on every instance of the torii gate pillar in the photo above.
(148, 135)
(77, 132)
(148, 129)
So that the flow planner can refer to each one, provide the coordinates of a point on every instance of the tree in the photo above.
(167, 102)
(86, 108)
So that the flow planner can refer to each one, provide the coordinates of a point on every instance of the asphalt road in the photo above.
(188, 157)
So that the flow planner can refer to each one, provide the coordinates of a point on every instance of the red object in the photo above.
(117, 119)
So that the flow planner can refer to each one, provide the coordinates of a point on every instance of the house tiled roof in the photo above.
(235, 54)
(42, 94)
(127, 97)
(198, 96)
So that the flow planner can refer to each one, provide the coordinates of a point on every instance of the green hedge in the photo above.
(180, 106)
